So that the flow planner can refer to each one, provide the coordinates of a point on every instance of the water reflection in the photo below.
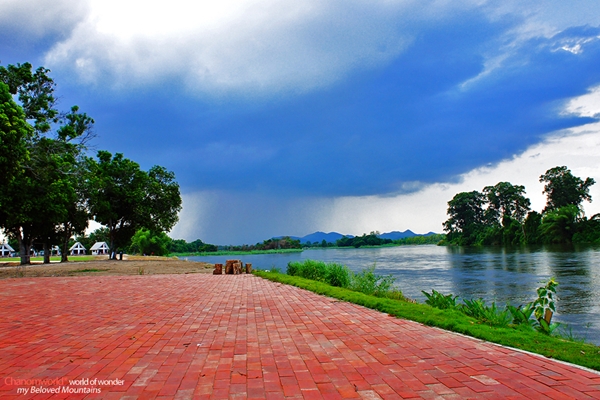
(493, 273)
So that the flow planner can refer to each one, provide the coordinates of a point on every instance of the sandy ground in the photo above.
(132, 265)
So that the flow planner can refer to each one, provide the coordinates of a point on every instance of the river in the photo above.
(493, 273)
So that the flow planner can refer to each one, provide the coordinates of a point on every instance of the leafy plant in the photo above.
(439, 300)
(367, 282)
(338, 275)
(522, 315)
(491, 315)
(544, 307)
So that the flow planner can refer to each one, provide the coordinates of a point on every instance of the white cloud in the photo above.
(248, 46)
(27, 19)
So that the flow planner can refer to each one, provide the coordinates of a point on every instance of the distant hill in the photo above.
(331, 237)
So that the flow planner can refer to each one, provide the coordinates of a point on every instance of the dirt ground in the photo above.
(131, 265)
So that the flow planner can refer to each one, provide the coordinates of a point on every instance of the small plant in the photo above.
(438, 300)
(544, 307)
(522, 315)
(141, 271)
(491, 315)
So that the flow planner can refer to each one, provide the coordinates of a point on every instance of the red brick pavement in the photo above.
(206, 336)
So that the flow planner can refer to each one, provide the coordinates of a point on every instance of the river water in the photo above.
(492, 273)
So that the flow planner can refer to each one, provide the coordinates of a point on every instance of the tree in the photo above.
(506, 200)
(36, 199)
(558, 226)
(124, 198)
(563, 188)
(466, 218)
(14, 130)
(147, 242)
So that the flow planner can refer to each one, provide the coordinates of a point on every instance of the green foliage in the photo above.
(438, 300)
(148, 242)
(490, 315)
(544, 307)
(338, 275)
(372, 239)
(421, 239)
(522, 315)
(124, 198)
(501, 216)
(564, 189)
(466, 218)
(559, 225)
(575, 352)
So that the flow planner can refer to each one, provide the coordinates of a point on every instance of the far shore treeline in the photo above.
(501, 214)
(50, 188)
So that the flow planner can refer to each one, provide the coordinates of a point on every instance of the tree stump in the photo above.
(218, 269)
(237, 268)
(248, 268)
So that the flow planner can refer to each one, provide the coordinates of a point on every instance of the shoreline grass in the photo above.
(583, 354)
(236, 252)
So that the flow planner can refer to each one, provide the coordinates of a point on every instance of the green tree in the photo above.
(14, 131)
(146, 242)
(559, 226)
(36, 198)
(563, 188)
(124, 198)
(506, 200)
(466, 218)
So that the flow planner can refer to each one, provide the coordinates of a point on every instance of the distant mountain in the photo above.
(330, 237)
(395, 235)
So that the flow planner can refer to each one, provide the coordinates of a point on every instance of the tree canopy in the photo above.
(502, 215)
(50, 188)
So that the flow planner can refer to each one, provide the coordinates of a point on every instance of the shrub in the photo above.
(367, 282)
(338, 275)
(438, 300)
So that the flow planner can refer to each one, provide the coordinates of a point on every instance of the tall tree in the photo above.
(506, 200)
(466, 218)
(35, 203)
(124, 198)
(563, 188)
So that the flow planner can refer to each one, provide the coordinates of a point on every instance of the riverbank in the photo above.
(574, 352)
(238, 253)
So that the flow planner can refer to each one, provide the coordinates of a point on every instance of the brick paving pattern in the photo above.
(205, 336)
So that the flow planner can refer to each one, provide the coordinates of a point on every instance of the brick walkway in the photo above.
(205, 336)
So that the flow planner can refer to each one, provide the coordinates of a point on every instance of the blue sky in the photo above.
(287, 117)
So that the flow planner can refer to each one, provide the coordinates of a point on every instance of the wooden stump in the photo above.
(248, 268)
(218, 269)
(237, 268)
(229, 269)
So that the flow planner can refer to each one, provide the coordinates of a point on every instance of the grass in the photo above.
(237, 253)
(89, 270)
(583, 354)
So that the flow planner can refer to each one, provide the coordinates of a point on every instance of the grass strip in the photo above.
(89, 270)
(584, 354)
(237, 253)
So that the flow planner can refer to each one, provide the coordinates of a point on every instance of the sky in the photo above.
(286, 118)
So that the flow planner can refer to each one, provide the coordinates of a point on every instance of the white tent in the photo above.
(99, 248)
(6, 250)
(77, 249)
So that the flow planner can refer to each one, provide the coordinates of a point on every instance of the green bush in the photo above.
(338, 275)
(368, 283)
(438, 300)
